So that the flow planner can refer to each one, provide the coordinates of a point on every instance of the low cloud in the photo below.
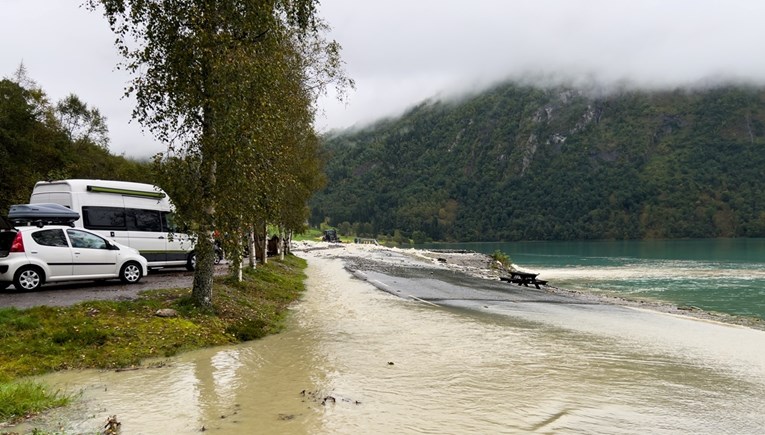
(466, 46)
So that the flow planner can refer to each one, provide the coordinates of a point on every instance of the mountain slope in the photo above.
(524, 163)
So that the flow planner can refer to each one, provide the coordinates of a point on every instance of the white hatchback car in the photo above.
(33, 255)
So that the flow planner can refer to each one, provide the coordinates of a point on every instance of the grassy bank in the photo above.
(315, 235)
(119, 334)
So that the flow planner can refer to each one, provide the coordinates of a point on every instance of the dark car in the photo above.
(330, 236)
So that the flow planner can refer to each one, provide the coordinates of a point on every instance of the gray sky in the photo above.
(401, 52)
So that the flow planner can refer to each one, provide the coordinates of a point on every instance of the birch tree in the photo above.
(210, 78)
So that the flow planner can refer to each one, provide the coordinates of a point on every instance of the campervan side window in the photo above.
(104, 218)
(128, 219)
(144, 220)
(169, 224)
(121, 219)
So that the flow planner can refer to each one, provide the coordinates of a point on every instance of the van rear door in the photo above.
(179, 244)
(146, 235)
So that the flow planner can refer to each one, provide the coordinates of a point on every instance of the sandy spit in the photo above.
(483, 266)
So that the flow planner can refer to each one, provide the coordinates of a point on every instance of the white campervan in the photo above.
(134, 214)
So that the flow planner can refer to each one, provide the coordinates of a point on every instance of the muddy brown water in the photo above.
(357, 360)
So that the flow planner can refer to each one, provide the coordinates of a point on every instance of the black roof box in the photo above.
(42, 214)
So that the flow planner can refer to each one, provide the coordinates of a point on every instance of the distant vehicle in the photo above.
(330, 236)
(134, 214)
(31, 256)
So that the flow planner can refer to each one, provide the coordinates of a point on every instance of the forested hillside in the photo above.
(40, 140)
(525, 163)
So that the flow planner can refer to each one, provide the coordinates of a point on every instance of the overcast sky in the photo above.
(401, 52)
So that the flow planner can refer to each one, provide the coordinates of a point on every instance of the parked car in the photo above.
(31, 256)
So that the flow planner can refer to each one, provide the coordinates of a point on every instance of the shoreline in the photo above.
(482, 266)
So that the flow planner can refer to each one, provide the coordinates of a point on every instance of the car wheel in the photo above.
(130, 273)
(28, 278)
(191, 263)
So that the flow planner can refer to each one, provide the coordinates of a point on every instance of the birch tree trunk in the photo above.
(264, 233)
(251, 246)
(201, 290)
(281, 243)
(288, 242)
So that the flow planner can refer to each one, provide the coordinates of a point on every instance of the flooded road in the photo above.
(357, 360)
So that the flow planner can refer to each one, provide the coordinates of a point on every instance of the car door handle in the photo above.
(161, 237)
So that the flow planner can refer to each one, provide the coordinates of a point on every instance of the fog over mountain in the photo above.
(402, 52)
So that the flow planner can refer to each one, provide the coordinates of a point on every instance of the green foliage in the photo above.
(248, 329)
(81, 123)
(502, 258)
(19, 399)
(345, 229)
(84, 336)
(524, 163)
(229, 86)
(397, 239)
(40, 141)
(308, 234)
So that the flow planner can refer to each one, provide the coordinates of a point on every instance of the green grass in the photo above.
(110, 335)
(314, 234)
(20, 399)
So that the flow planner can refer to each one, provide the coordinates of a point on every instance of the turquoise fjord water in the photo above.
(723, 275)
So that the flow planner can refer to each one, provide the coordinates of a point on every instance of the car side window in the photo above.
(50, 238)
(81, 239)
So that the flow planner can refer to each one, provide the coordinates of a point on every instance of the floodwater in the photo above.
(356, 360)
